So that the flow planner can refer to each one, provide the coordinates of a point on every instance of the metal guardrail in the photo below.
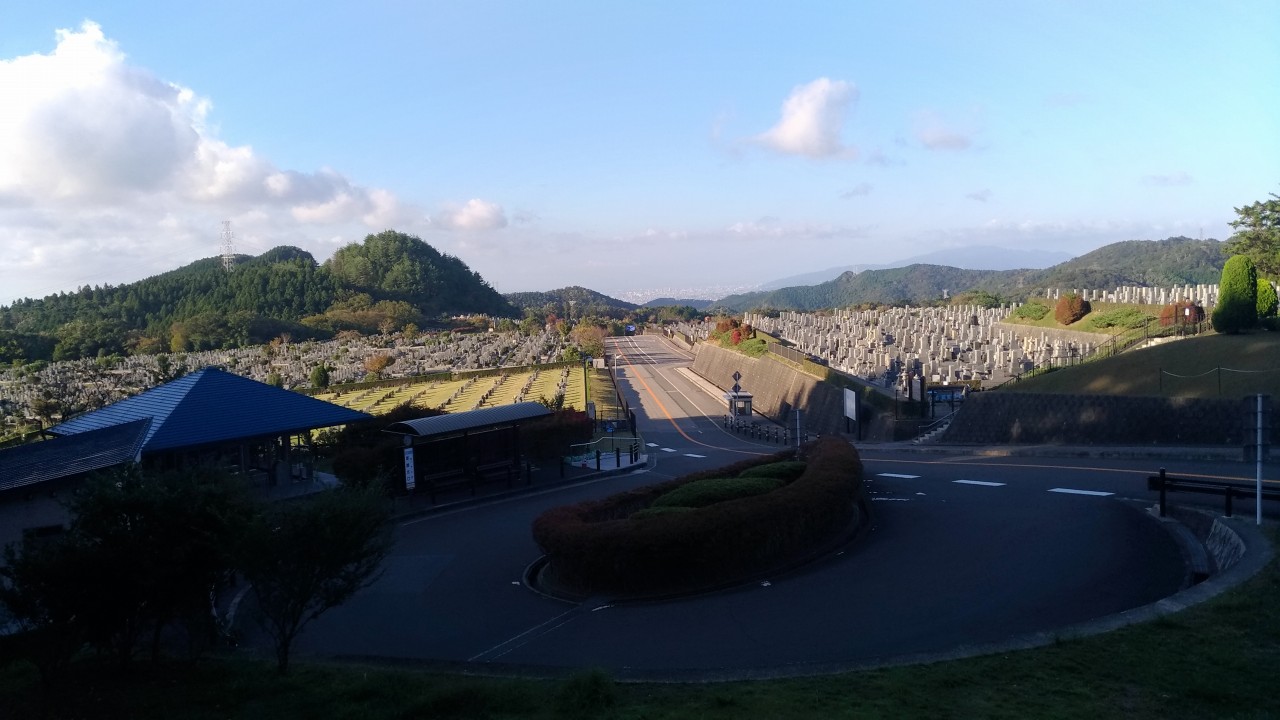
(1228, 490)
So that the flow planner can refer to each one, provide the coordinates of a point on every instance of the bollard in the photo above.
(597, 459)
(617, 457)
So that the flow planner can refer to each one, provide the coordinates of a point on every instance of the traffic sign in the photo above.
(737, 376)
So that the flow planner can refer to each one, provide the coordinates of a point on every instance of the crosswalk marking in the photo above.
(1070, 491)
(898, 475)
(984, 483)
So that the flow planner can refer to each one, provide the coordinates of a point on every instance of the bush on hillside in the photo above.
(1031, 311)
(1129, 318)
(1237, 307)
(1070, 309)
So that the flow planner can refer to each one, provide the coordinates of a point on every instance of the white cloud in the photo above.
(935, 134)
(475, 214)
(812, 120)
(103, 162)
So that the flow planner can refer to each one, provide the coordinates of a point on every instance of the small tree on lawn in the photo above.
(320, 377)
(1070, 309)
(1237, 307)
(308, 557)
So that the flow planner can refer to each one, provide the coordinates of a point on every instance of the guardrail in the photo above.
(1228, 490)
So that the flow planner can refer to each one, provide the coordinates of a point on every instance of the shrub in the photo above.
(661, 510)
(1267, 300)
(1237, 307)
(787, 470)
(1124, 318)
(1031, 311)
(586, 694)
(594, 547)
(711, 491)
(1070, 309)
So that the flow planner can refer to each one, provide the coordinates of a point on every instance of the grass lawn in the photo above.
(1217, 660)
(1176, 368)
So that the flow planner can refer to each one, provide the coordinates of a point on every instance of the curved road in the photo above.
(963, 551)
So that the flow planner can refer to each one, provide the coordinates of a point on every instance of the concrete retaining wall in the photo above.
(777, 388)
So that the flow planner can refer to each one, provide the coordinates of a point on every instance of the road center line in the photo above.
(897, 475)
(983, 483)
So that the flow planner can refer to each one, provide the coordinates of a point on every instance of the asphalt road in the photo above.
(963, 551)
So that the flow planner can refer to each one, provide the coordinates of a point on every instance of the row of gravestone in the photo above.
(82, 385)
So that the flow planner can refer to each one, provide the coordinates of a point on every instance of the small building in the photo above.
(207, 417)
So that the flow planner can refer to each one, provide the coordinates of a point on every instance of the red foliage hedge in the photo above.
(595, 547)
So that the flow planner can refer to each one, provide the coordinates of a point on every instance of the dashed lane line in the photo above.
(897, 475)
(983, 483)
(1071, 491)
(694, 455)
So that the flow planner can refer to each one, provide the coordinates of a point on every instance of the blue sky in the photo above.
(623, 147)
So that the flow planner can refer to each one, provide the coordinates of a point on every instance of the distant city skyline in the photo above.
(624, 148)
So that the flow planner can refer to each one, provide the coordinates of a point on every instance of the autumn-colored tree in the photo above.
(378, 363)
(1070, 309)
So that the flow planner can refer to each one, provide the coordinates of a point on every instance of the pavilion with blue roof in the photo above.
(215, 415)
(210, 416)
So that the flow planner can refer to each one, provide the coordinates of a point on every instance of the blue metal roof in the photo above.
(72, 455)
(212, 406)
(469, 420)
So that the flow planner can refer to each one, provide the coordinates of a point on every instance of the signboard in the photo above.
(410, 481)
(850, 404)
(631, 329)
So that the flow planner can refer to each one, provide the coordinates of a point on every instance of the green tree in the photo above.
(1257, 235)
(42, 590)
(1237, 307)
(306, 558)
(274, 379)
(320, 376)
(1267, 300)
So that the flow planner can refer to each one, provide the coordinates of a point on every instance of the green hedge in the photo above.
(716, 490)
(787, 470)
(596, 547)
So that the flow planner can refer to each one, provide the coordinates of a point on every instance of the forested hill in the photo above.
(1156, 263)
(575, 300)
(389, 280)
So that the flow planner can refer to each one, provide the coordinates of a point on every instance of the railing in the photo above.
(1229, 490)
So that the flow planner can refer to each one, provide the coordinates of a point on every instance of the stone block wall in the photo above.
(999, 418)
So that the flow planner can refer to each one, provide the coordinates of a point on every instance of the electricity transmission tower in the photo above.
(228, 246)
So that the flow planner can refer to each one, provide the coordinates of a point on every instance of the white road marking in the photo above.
(651, 444)
(667, 450)
(1070, 491)
(889, 499)
(692, 455)
(984, 483)
(897, 475)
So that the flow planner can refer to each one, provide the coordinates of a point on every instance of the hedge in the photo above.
(709, 492)
(595, 547)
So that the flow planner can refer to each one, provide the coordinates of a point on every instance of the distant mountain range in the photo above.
(1174, 261)
(983, 257)
(392, 280)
